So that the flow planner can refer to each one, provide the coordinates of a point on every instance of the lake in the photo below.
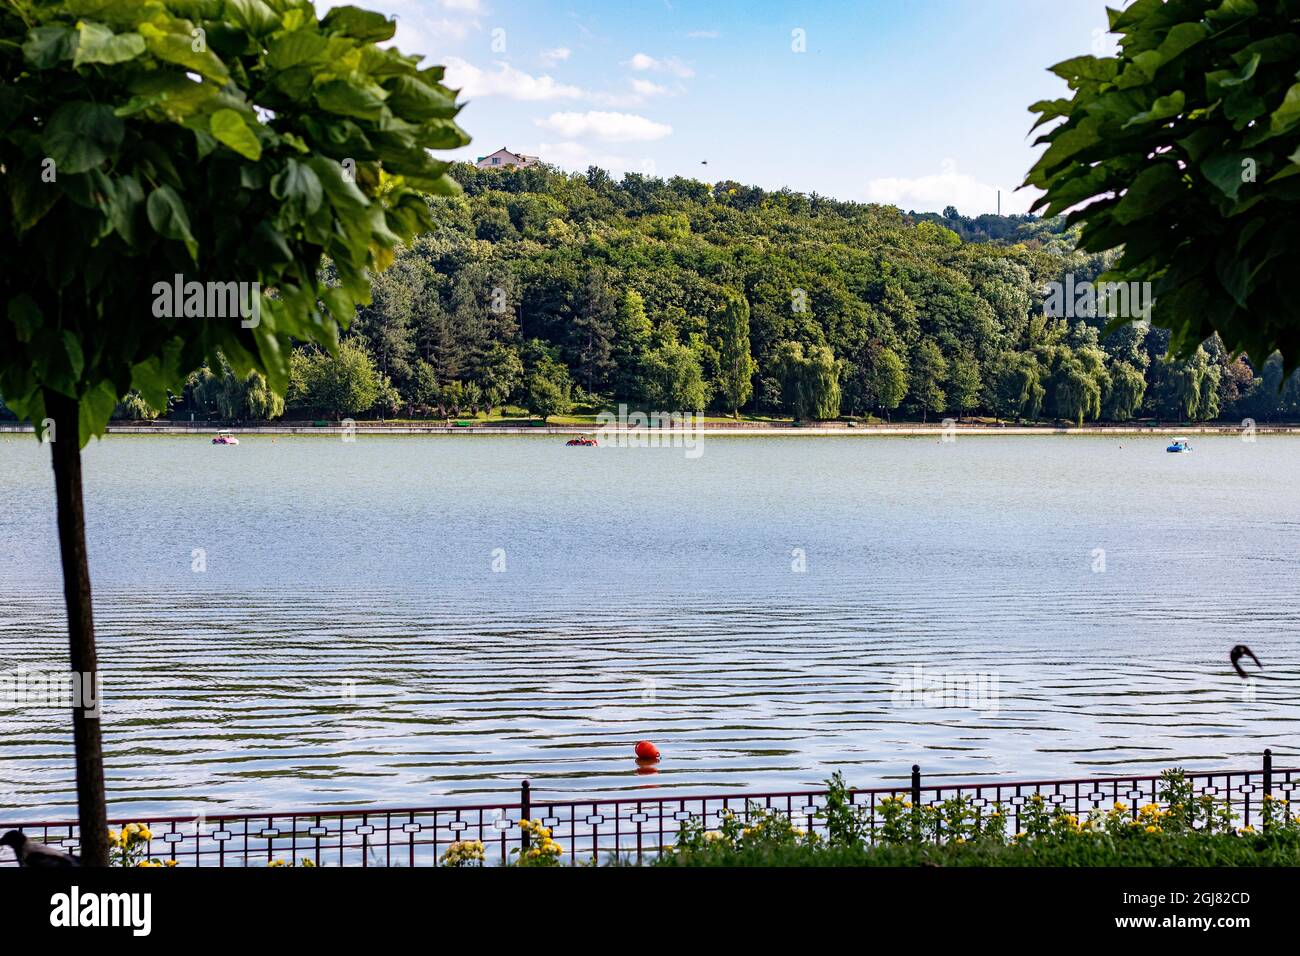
(302, 621)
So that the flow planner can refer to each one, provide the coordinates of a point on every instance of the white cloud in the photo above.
(578, 157)
(644, 61)
(946, 188)
(648, 88)
(506, 81)
(463, 6)
(703, 34)
(556, 55)
(609, 127)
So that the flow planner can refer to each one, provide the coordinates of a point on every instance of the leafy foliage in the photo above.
(1184, 149)
(219, 140)
(1182, 829)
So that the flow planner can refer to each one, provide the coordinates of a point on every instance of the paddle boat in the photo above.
(1178, 445)
(225, 438)
(582, 440)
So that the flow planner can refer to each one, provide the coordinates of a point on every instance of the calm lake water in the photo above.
(351, 643)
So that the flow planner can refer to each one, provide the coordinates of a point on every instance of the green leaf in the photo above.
(350, 99)
(254, 16)
(25, 315)
(124, 211)
(1225, 171)
(168, 217)
(80, 136)
(1086, 67)
(76, 360)
(1152, 190)
(32, 197)
(99, 44)
(46, 46)
(412, 99)
(175, 45)
(295, 49)
(298, 187)
(159, 373)
(358, 24)
(1286, 116)
(229, 128)
(97, 406)
(1166, 107)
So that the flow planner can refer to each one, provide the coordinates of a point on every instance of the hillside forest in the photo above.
(552, 294)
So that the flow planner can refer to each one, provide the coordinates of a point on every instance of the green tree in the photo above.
(343, 384)
(547, 387)
(929, 370)
(1183, 148)
(133, 152)
(223, 394)
(809, 379)
(501, 374)
(1199, 387)
(735, 363)
(964, 382)
(1127, 387)
(675, 379)
(1017, 388)
(1076, 393)
(631, 340)
(134, 408)
(595, 311)
(888, 380)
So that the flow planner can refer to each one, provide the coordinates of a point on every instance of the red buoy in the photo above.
(645, 750)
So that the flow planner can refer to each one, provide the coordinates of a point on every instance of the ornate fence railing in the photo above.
(635, 829)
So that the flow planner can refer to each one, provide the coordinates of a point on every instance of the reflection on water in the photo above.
(350, 642)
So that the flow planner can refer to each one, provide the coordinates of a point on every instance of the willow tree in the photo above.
(155, 146)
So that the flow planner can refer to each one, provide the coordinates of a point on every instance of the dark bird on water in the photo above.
(1236, 655)
(38, 855)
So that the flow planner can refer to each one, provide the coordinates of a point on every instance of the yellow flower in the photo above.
(277, 863)
(1153, 829)
(144, 832)
(170, 863)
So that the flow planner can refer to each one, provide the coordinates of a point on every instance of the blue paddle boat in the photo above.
(1178, 445)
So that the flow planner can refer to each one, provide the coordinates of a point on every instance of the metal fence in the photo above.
(632, 829)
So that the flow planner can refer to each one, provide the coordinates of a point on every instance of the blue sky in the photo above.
(920, 103)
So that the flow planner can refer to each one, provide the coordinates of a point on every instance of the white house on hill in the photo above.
(504, 159)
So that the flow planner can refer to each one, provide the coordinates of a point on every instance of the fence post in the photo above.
(916, 785)
(525, 812)
(1268, 784)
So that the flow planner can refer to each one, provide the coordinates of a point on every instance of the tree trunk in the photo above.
(92, 811)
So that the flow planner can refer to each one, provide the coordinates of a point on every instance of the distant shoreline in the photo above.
(841, 429)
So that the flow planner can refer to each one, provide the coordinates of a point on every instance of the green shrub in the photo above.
(1183, 829)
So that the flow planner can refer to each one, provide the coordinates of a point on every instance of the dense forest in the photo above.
(561, 293)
